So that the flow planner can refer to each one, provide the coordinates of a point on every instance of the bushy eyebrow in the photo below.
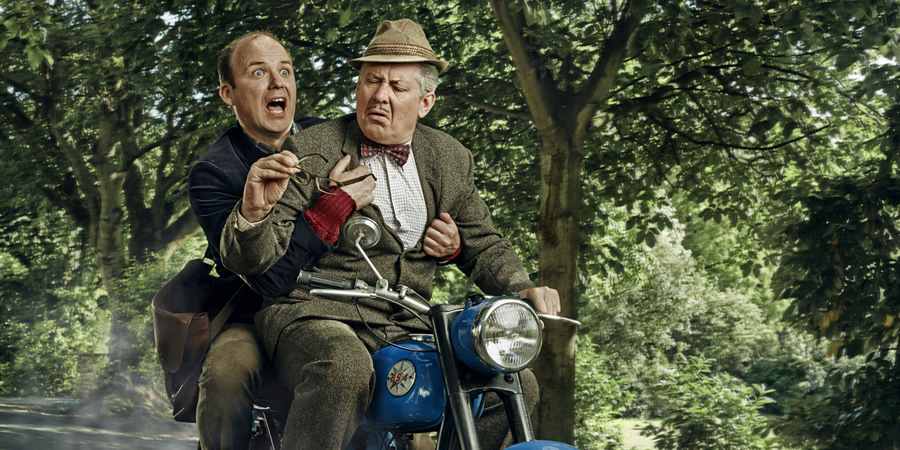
(379, 78)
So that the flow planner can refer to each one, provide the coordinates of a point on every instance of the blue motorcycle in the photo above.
(434, 382)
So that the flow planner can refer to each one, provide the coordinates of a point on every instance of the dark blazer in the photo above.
(216, 184)
(446, 172)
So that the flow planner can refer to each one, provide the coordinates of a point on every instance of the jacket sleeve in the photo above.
(214, 193)
(257, 250)
(485, 256)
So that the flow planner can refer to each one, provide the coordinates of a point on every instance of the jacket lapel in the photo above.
(352, 139)
(429, 178)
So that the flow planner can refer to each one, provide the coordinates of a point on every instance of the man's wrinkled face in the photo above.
(264, 92)
(388, 103)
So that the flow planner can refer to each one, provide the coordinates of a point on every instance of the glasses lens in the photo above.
(302, 177)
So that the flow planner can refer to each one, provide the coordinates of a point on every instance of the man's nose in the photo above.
(275, 80)
(382, 93)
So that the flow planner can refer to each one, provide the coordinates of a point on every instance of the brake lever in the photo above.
(355, 293)
(560, 318)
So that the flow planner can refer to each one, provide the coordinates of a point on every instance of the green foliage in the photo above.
(841, 273)
(708, 411)
(841, 279)
(54, 316)
(599, 398)
(858, 410)
(663, 305)
(56, 324)
(794, 366)
(140, 285)
(43, 354)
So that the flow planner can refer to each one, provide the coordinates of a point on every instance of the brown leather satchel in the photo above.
(187, 315)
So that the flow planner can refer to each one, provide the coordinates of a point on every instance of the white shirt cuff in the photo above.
(243, 225)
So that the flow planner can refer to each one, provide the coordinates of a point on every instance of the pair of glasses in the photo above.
(325, 185)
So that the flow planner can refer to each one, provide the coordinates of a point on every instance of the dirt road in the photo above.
(48, 424)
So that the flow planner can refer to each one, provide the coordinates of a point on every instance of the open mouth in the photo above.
(276, 105)
(378, 113)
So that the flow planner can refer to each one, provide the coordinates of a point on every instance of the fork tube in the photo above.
(517, 414)
(457, 398)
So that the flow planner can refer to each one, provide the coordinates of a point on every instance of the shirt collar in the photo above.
(265, 148)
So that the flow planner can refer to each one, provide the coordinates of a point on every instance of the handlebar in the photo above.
(341, 287)
(402, 295)
(317, 280)
(562, 319)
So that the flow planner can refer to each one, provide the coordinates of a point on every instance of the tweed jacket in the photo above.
(216, 184)
(446, 172)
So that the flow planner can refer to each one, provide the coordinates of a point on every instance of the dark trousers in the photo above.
(328, 366)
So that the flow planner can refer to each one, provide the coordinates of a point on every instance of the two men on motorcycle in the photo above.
(257, 82)
(320, 347)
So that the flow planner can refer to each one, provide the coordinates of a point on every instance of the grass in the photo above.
(631, 428)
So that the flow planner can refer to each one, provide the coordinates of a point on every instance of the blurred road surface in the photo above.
(49, 424)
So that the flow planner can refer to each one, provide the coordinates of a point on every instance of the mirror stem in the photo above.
(359, 239)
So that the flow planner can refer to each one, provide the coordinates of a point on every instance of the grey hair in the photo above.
(427, 77)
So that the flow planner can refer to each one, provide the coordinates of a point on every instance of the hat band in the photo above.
(399, 49)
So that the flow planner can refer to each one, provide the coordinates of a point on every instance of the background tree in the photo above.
(840, 273)
(110, 114)
(599, 106)
(705, 97)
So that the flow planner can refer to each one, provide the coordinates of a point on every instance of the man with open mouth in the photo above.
(256, 80)
(321, 346)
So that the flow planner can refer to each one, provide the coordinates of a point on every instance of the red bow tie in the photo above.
(400, 153)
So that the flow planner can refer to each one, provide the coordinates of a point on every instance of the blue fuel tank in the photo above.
(409, 389)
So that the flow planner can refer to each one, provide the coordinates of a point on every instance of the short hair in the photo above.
(223, 63)
(427, 77)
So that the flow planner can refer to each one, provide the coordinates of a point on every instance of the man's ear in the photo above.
(426, 104)
(225, 91)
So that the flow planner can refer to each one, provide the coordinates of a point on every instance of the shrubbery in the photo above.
(709, 411)
(599, 398)
(44, 354)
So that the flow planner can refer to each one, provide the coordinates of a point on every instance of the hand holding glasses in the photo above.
(325, 185)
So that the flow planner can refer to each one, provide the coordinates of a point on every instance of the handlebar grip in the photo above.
(317, 280)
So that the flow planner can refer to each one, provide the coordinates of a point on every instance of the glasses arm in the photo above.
(340, 184)
(310, 156)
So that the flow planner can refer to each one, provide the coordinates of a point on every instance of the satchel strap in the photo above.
(216, 325)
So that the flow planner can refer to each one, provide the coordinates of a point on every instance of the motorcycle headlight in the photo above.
(502, 334)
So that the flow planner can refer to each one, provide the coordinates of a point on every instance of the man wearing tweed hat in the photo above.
(320, 347)
(256, 81)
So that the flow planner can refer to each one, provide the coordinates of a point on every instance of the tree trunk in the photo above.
(558, 240)
(103, 193)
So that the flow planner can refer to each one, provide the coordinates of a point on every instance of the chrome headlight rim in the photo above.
(478, 325)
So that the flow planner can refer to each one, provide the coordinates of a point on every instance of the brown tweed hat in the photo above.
(399, 41)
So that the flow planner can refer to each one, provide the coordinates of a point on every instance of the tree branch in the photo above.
(604, 73)
(23, 89)
(640, 104)
(66, 143)
(180, 230)
(540, 93)
(516, 114)
(11, 111)
(723, 144)
(69, 201)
